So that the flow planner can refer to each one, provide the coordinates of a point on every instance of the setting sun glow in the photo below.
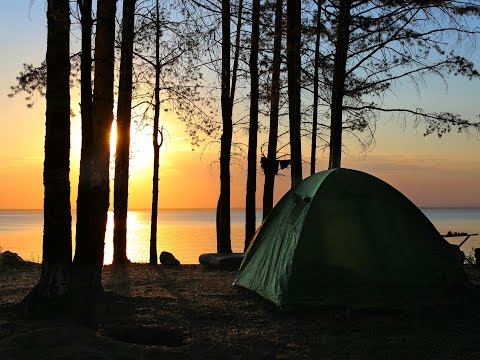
(141, 150)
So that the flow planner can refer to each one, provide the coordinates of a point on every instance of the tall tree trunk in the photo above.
(338, 84)
(156, 145)
(270, 168)
(223, 206)
(54, 284)
(89, 251)
(294, 79)
(313, 157)
(122, 154)
(250, 206)
(86, 110)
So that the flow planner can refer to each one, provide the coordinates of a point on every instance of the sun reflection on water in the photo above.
(185, 239)
(138, 239)
(186, 234)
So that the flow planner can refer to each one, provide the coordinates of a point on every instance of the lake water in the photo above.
(189, 233)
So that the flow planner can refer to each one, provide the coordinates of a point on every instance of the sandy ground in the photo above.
(188, 312)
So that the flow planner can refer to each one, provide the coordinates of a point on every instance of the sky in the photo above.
(431, 171)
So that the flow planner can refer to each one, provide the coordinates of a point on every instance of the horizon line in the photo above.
(239, 208)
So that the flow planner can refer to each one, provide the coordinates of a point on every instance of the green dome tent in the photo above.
(345, 238)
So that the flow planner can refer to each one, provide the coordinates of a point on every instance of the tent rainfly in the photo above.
(345, 238)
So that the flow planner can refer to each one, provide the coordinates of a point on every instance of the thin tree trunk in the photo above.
(54, 284)
(269, 170)
(236, 55)
(156, 146)
(250, 205)
(155, 179)
(313, 157)
(338, 85)
(294, 78)
(122, 154)
(89, 254)
(223, 206)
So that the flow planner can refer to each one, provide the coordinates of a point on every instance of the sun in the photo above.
(141, 149)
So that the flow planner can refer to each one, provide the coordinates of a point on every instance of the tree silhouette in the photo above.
(294, 79)
(316, 65)
(53, 287)
(250, 208)
(167, 75)
(122, 153)
(227, 98)
(90, 242)
(380, 44)
(338, 82)
(270, 162)
(86, 109)
(156, 144)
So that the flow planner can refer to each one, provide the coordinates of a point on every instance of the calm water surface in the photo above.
(189, 233)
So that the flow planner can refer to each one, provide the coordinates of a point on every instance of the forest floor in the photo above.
(188, 312)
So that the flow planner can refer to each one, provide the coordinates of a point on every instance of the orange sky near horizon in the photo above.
(432, 172)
